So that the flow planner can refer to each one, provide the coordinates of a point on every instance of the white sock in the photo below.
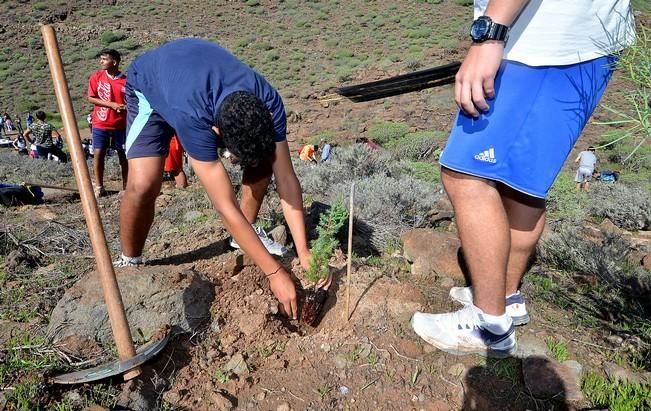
(497, 324)
(130, 259)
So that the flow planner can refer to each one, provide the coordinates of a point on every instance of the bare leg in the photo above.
(586, 186)
(124, 166)
(180, 179)
(484, 233)
(98, 166)
(526, 217)
(137, 209)
(254, 188)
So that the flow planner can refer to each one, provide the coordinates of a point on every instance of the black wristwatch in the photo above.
(484, 29)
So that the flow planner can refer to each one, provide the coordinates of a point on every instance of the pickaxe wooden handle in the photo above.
(112, 297)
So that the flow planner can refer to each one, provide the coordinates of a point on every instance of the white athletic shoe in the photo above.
(125, 261)
(515, 305)
(271, 246)
(463, 332)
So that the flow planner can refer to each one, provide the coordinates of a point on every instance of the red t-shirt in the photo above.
(107, 88)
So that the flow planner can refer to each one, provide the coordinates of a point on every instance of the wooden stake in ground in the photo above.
(112, 297)
(350, 249)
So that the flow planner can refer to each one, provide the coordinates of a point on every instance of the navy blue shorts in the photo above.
(104, 139)
(532, 124)
(148, 134)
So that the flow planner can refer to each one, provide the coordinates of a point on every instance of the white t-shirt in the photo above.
(562, 32)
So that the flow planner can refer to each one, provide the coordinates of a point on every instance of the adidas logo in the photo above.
(486, 155)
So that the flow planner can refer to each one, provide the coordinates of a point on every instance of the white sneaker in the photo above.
(271, 246)
(125, 261)
(515, 305)
(463, 332)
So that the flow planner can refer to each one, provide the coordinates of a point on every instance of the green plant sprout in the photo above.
(329, 225)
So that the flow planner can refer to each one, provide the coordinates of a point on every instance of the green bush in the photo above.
(128, 44)
(429, 172)
(386, 131)
(109, 37)
(252, 3)
(40, 6)
(416, 146)
(329, 226)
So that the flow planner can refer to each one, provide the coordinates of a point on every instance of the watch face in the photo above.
(479, 28)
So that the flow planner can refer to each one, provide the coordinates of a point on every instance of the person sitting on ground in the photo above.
(20, 145)
(40, 134)
(174, 163)
(109, 119)
(587, 162)
(221, 102)
(308, 153)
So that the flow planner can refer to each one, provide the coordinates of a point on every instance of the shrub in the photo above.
(388, 198)
(322, 247)
(627, 207)
(416, 146)
(607, 261)
(386, 131)
(128, 44)
(386, 207)
(109, 37)
(429, 172)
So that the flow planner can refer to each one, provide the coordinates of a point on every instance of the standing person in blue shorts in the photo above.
(106, 91)
(210, 100)
(529, 83)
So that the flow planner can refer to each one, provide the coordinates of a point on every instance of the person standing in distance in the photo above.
(106, 89)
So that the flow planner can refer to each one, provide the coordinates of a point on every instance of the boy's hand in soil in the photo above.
(283, 288)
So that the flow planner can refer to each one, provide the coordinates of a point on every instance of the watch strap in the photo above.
(497, 32)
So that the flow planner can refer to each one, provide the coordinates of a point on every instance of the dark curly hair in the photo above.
(247, 129)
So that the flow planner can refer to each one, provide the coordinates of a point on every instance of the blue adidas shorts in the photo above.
(104, 139)
(532, 124)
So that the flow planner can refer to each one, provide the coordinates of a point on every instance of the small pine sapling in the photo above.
(322, 248)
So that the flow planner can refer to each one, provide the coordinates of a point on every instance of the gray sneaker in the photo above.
(273, 247)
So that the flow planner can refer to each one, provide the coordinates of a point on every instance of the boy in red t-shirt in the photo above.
(109, 118)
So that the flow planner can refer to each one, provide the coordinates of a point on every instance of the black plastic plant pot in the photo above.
(314, 300)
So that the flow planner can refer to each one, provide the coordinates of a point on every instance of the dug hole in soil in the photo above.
(248, 356)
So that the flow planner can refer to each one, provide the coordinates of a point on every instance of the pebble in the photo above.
(341, 361)
(215, 327)
(261, 396)
(344, 390)
(283, 407)
(615, 340)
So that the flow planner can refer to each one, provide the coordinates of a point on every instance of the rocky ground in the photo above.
(230, 348)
